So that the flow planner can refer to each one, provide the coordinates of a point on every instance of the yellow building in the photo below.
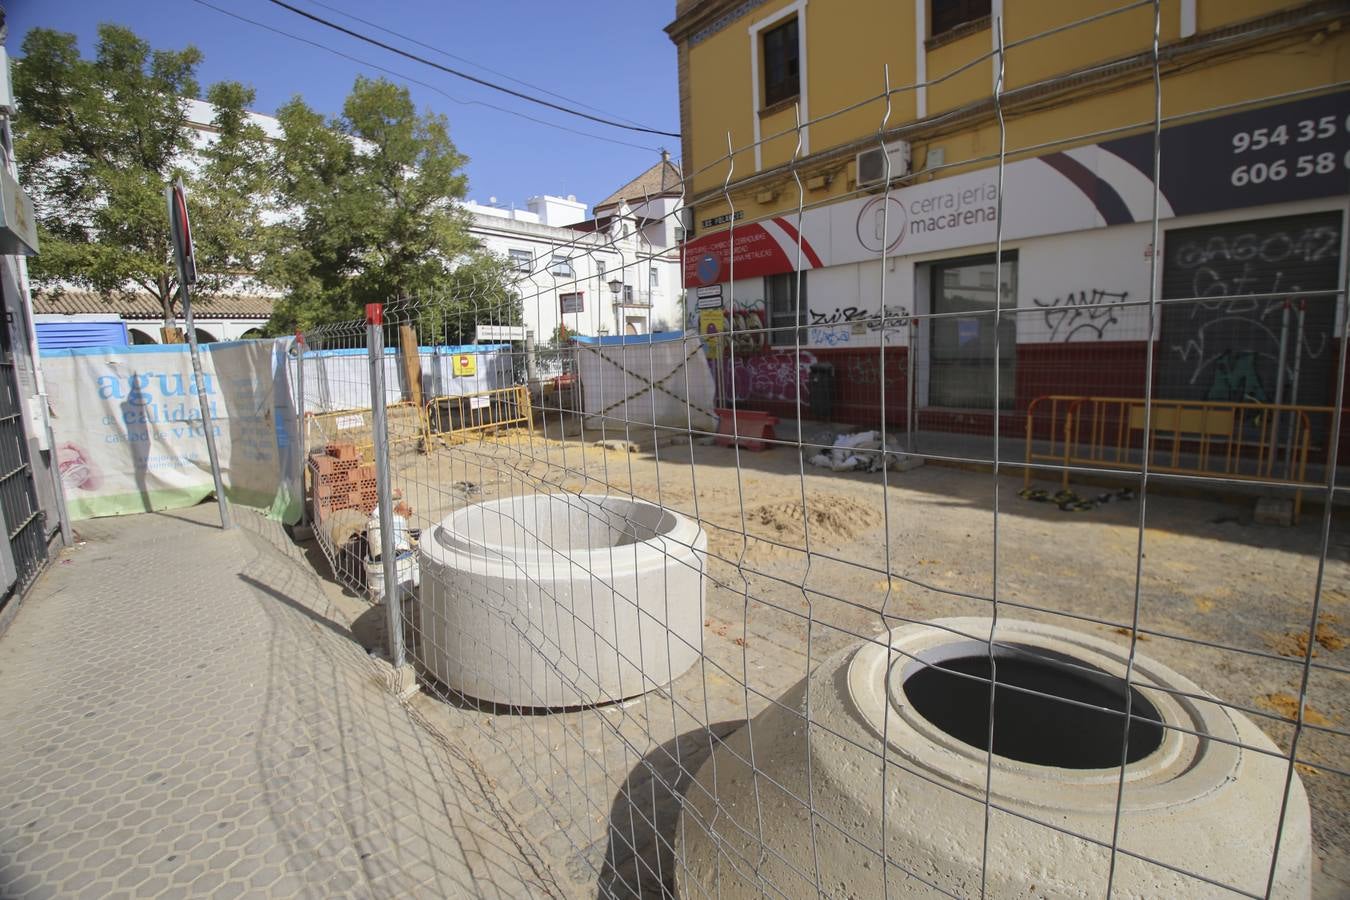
(843, 164)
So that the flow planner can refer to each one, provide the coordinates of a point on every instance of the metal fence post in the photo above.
(204, 405)
(380, 432)
(300, 425)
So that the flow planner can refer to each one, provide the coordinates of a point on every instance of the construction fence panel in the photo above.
(876, 579)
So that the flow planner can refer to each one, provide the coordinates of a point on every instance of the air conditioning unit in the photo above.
(687, 221)
(871, 164)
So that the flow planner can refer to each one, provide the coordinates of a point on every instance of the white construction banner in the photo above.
(129, 436)
(339, 380)
(651, 379)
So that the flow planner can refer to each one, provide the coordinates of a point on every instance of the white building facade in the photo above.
(615, 273)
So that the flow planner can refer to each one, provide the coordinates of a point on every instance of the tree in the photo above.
(97, 142)
(373, 218)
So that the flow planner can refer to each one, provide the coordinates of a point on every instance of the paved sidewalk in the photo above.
(182, 712)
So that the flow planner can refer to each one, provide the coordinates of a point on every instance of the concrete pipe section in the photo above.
(554, 600)
(1199, 794)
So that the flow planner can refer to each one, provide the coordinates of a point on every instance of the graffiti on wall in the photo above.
(1235, 377)
(748, 326)
(829, 337)
(862, 371)
(777, 375)
(1229, 372)
(1083, 315)
(1246, 290)
(831, 328)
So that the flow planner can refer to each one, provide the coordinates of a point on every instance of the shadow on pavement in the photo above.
(644, 817)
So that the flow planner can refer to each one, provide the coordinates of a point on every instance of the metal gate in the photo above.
(22, 556)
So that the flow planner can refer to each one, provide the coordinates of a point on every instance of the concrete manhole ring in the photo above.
(555, 600)
(1202, 785)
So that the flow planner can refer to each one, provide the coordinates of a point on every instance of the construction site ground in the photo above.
(1221, 599)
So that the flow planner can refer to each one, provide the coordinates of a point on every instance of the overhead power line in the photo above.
(477, 65)
(466, 76)
(431, 87)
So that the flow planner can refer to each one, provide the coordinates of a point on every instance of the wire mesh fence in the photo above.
(930, 572)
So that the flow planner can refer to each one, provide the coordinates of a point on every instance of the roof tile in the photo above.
(142, 305)
(662, 178)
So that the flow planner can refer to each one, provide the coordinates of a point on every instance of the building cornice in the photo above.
(1176, 55)
(707, 18)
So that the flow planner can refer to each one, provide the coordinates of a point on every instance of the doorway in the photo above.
(967, 338)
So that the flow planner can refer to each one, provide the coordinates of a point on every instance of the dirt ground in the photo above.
(1222, 600)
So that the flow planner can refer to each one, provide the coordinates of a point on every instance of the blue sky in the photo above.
(609, 54)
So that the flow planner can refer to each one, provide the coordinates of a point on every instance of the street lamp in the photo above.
(615, 288)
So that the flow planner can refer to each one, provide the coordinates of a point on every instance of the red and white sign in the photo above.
(762, 248)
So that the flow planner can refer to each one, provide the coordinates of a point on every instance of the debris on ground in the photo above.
(1285, 705)
(467, 488)
(621, 446)
(1327, 635)
(832, 516)
(343, 525)
(1125, 630)
(1295, 643)
(861, 451)
(1070, 501)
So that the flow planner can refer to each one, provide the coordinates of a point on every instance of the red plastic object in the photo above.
(751, 428)
(374, 313)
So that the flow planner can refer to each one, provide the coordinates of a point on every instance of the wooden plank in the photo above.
(412, 363)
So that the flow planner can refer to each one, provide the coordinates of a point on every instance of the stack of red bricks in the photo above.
(341, 480)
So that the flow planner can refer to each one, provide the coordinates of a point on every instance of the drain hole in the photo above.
(1032, 728)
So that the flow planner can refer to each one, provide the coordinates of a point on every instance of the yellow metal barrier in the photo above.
(1232, 440)
(406, 423)
(412, 427)
(452, 416)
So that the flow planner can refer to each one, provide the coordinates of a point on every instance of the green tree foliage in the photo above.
(98, 140)
(371, 196)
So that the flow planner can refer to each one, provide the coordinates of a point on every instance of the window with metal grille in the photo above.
(522, 259)
(781, 63)
(949, 14)
(784, 310)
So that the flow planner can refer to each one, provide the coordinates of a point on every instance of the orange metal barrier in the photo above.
(1245, 441)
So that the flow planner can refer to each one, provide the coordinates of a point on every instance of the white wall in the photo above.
(220, 329)
(1071, 286)
(558, 211)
